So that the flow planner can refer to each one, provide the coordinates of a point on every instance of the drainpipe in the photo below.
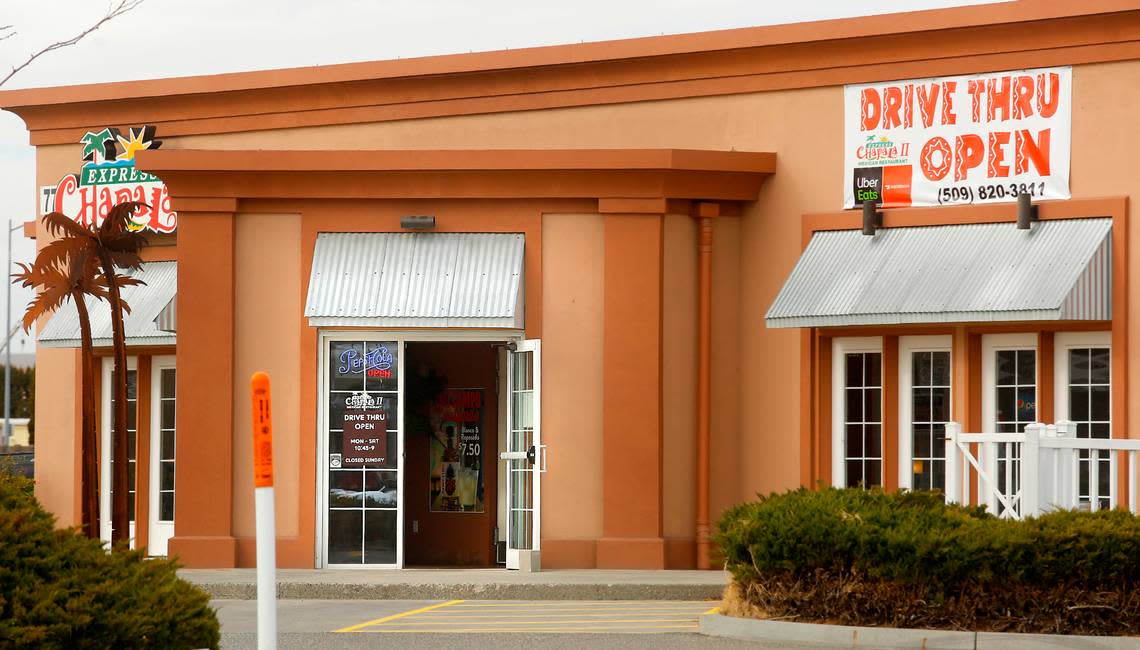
(705, 213)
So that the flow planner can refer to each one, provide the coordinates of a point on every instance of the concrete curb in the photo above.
(482, 591)
(843, 636)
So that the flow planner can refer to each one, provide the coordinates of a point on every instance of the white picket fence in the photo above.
(1040, 469)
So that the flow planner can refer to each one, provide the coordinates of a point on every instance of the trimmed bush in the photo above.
(905, 559)
(59, 589)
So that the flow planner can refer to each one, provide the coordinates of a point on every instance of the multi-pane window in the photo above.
(132, 428)
(362, 478)
(1090, 407)
(1016, 386)
(930, 411)
(863, 419)
(166, 415)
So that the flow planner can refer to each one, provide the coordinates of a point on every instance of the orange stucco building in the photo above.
(612, 223)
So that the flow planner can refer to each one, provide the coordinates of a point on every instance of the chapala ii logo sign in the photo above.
(109, 177)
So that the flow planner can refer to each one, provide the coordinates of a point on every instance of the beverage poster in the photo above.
(456, 451)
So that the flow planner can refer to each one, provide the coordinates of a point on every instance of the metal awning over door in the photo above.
(1058, 270)
(469, 280)
(147, 302)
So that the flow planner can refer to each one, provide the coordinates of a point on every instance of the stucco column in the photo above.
(203, 516)
(632, 389)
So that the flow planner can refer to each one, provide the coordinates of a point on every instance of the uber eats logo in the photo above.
(868, 185)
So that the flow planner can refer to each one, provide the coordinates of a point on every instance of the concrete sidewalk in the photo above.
(468, 584)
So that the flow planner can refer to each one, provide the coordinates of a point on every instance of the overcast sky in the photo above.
(166, 38)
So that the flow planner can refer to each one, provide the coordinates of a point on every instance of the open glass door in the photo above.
(524, 450)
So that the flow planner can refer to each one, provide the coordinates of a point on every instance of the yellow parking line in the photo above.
(507, 630)
(448, 616)
(354, 628)
(451, 611)
(420, 621)
(714, 610)
(591, 605)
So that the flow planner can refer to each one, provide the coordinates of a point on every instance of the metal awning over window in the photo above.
(147, 302)
(416, 280)
(1059, 270)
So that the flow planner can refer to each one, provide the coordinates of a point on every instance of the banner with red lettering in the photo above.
(981, 138)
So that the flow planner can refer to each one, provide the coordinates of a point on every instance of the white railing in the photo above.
(1026, 474)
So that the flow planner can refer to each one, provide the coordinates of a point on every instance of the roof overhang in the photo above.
(668, 174)
(755, 59)
(147, 302)
(462, 280)
(1060, 270)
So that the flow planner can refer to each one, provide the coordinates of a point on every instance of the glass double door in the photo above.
(361, 430)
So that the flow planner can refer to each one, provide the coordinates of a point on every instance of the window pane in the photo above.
(168, 382)
(854, 405)
(1006, 404)
(941, 363)
(380, 489)
(380, 537)
(345, 536)
(872, 402)
(854, 441)
(920, 407)
(346, 365)
(854, 473)
(345, 488)
(166, 506)
(874, 473)
(1099, 410)
(167, 417)
(921, 440)
(874, 441)
(1079, 366)
(1026, 367)
(167, 452)
(1100, 372)
(1026, 405)
(380, 366)
(1079, 403)
(166, 476)
(921, 368)
(940, 405)
(872, 368)
(854, 375)
(1006, 363)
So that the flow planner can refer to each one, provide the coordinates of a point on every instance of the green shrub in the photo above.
(865, 557)
(59, 589)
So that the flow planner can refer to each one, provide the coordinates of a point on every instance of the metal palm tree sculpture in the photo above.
(82, 262)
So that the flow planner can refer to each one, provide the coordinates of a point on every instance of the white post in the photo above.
(953, 463)
(1068, 478)
(1031, 465)
(263, 512)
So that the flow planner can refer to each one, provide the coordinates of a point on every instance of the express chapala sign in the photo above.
(980, 138)
(109, 177)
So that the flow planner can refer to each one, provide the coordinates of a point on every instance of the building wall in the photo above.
(573, 246)
(267, 314)
(756, 420)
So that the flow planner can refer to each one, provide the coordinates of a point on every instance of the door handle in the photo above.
(512, 455)
(530, 454)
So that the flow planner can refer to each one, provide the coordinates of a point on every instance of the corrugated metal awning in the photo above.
(417, 280)
(1058, 270)
(146, 302)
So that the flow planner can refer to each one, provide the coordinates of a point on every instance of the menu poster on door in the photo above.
(455, 456)
(980, 138)
(365, 437)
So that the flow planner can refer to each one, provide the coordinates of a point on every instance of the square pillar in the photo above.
(632, 389)
(203, 514)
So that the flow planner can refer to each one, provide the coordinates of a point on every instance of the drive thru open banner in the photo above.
(980, 138)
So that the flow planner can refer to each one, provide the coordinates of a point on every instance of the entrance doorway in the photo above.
(451, 424)
(430, 449)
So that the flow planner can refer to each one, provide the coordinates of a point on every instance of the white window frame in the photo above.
(1062, 343)
(991, 345)
(160, 532)
(908, 345)
(841, 346)
(105, 433)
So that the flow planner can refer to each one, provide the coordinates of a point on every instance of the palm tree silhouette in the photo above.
(82, 262)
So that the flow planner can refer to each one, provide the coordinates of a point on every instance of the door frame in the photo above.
(106, 369)
(157, 365)
(908, 345)
(400, 337)
(841, 346)
(534, 348)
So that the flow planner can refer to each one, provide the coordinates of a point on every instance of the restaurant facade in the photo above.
(561, 306)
